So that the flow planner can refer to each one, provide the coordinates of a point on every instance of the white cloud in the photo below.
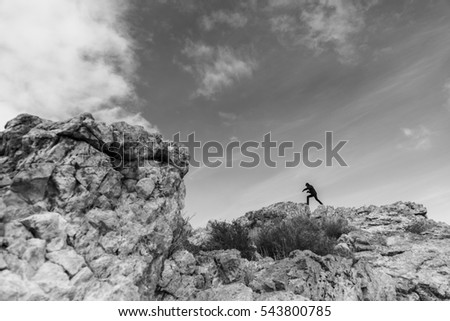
(233, 19)
(321, 24)
(416, 138)
(118, 113)
(59, 58)
(216, 68)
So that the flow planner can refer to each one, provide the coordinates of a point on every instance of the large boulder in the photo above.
(87, 210)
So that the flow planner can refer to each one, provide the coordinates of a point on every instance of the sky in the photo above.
(375, 73)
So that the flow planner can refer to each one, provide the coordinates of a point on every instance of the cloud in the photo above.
(321, 25)
(232, 19)
(63, 57)
(216, 68)
(416, 139)
(228, 118)
(118, 113)
(447, 93)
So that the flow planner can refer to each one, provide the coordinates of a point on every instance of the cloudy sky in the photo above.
(374, 72)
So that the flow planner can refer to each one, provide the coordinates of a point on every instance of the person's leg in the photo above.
(315, 196)
(307, 199)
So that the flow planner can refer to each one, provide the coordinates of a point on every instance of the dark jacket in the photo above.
(310, 190)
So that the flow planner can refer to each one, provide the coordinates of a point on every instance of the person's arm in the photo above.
(305, 189)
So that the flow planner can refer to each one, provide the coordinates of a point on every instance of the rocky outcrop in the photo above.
(393, 252)
(87, 210)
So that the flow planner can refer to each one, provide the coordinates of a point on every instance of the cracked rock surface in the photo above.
(87, 210)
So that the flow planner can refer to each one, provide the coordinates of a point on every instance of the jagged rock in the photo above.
(145, 187)
(68, 259)
(55, 283)
(228, 292)
(279, 296)
(87, 210)
(34, 253)
(46, 226)
(229, 264)
(343, 250)
(15, 288)
(3, 264)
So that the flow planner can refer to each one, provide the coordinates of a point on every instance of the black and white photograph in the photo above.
(174, 151)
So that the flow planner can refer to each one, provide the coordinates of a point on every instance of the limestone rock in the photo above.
(87, 210)
(68, 259)
(145, 187)
(229, 292)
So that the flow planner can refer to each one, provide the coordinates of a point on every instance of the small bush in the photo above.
(335, 227)
(417, 227)
(182, 231)
(225, 236)
(299, 233)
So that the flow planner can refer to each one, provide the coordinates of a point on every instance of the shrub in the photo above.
(417, 227)
(182, 231)
(335, 227)
(225, 236)
(299, 233)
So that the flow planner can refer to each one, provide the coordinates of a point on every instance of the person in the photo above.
(312, 193)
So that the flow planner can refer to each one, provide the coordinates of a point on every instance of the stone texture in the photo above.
(68, 259)
(229, 292)
(87, 210)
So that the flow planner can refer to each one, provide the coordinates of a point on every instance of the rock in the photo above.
(46, 225)
(14, 288)
(273, 214)
(32, 182)
(68, 259)
(82, 277)
(185, 261)
(34, 253)
(279, 296)
(3, 264)
(342, 249)
(5, 181)
(77, 220)
(229, 264)
(229, 292)
(54, 282)
(145, 187)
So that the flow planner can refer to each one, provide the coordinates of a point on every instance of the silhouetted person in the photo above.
(312, 193)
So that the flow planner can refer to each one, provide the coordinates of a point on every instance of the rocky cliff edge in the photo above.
(87, 210)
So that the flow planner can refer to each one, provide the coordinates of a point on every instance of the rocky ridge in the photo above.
(394, 252)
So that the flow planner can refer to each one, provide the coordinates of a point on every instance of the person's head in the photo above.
(307, 184)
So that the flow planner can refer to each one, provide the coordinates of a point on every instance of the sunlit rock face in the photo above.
(87, 210)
